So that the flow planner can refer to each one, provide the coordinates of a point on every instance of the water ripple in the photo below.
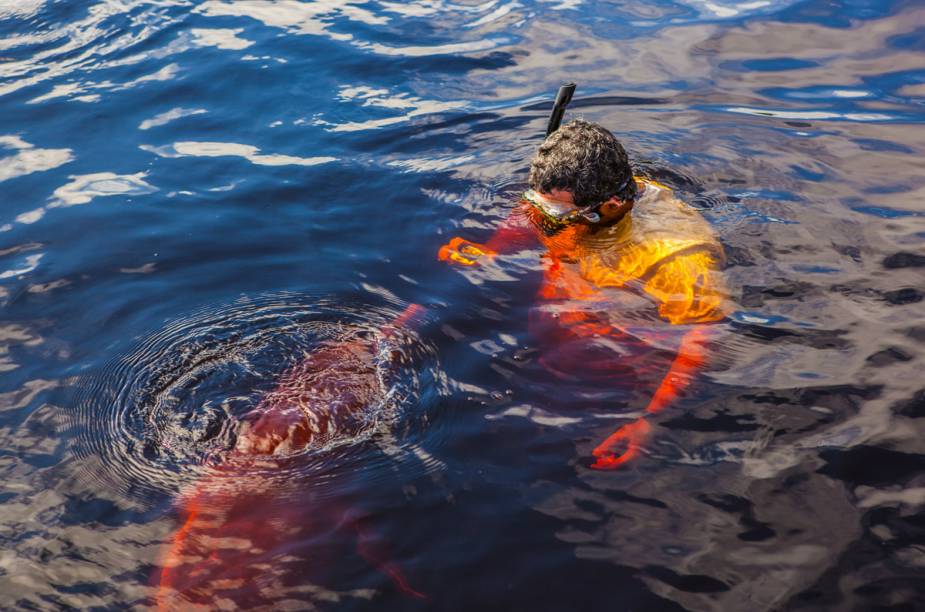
(173, 407)
(88, 44)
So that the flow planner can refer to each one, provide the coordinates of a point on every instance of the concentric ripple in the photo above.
(174, 407)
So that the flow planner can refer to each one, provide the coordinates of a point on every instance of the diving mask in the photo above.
(561, 214)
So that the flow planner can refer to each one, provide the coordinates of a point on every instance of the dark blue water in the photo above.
(197, 194)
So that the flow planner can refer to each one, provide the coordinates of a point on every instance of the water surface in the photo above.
(195, 194)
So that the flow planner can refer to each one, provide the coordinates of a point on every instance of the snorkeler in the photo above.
(620, 251)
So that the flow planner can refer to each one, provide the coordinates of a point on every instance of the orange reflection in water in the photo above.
(249, 538)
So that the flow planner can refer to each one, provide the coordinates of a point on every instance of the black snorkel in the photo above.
(558, 109)
(588, 214)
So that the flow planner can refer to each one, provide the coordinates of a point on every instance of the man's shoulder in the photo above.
(665, 223)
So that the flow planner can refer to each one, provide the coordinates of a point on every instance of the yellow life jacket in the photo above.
(663, 248)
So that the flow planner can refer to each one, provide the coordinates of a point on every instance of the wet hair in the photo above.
(585, 159)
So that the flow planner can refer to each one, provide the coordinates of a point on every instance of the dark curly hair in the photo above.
(585, 159)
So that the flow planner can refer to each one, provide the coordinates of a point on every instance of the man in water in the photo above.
(618, 250)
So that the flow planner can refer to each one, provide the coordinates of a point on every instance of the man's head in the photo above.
(585, 160)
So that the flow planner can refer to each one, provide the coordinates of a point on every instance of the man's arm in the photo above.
(690, 359)
(691, 290)
(515, 233)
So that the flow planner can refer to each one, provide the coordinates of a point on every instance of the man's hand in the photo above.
(621, 446)
(624, 444)
(463, 251)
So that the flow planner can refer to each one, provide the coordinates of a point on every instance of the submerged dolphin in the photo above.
(245, 536)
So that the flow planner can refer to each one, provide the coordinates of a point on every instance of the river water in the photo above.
(195, 195)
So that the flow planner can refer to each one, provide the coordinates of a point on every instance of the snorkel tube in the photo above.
(558, 109)
(557, 218)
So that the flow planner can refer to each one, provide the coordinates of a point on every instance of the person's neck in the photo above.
(612, 215)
